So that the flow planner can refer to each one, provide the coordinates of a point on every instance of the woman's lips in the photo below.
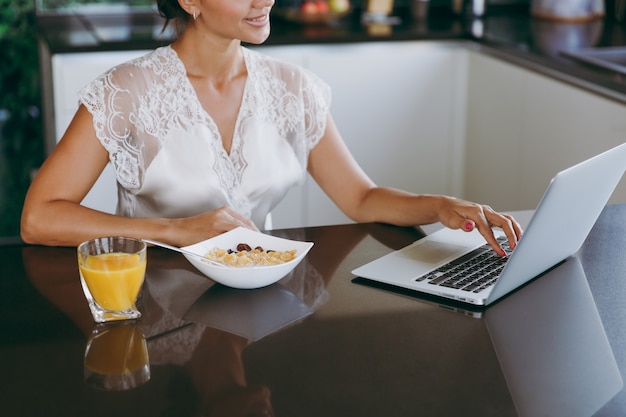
(259, 21)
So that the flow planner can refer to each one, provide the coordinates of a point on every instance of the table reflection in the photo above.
(302, 347)
(188, 321)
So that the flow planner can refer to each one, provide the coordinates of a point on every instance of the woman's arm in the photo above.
(52, 214)
(338, 174)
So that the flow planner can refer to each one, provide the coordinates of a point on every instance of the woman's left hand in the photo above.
(460, 214)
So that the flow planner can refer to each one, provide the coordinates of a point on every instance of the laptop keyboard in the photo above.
(472, 272)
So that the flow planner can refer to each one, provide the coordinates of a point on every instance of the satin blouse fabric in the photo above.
(167, 152)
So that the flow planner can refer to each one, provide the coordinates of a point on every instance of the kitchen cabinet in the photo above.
(523, 127)
(399, 106)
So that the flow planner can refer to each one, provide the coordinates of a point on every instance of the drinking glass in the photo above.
(112, 271)
(116, 357)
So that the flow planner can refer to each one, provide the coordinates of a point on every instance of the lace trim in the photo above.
(105, 113)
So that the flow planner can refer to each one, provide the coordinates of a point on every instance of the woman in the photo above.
(206, 135)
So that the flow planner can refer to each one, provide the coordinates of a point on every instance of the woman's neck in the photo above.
(209, 59)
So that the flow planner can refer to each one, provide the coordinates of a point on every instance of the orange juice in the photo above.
(114, 279)
(117, 350)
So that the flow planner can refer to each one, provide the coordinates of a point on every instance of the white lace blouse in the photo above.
(167, 152)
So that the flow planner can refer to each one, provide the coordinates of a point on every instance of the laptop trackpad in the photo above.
(430, 252)
(411, 261)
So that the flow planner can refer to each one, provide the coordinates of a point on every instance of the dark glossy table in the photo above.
(318, 344)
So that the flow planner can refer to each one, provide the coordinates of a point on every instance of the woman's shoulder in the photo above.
(265, 65)
(137, 79)
(156, 59)
(138, 75)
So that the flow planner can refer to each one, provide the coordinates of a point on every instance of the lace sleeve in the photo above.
(300, 101)
(110, 104)
(316, 96)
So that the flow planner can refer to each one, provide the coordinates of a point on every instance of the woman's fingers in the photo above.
(469, 216)
(488, 218)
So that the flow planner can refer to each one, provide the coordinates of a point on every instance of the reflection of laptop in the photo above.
(563, 219)
(555, 357)
(534, 353)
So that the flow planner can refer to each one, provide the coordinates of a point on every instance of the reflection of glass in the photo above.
(116, 357)
(112, 270)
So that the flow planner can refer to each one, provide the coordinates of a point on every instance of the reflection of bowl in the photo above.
(249, 314)
(294, 15)
(247, 277)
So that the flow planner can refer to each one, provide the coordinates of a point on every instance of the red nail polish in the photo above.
(469, 226)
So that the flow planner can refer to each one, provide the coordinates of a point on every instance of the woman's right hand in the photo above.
(190, 230)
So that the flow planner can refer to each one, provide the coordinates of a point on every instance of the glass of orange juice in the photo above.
(112, 270)
(116, 357)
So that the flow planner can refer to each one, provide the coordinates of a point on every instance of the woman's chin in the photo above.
(257, 40)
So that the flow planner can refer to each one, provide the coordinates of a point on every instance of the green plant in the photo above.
(21, 131)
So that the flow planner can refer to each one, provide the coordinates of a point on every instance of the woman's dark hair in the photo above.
(171, 11)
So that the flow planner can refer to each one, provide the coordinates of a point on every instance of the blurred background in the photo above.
(22, 125)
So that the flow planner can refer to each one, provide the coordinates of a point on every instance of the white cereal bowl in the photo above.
(252, 276)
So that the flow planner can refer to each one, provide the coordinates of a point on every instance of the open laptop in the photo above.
(564, 217)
